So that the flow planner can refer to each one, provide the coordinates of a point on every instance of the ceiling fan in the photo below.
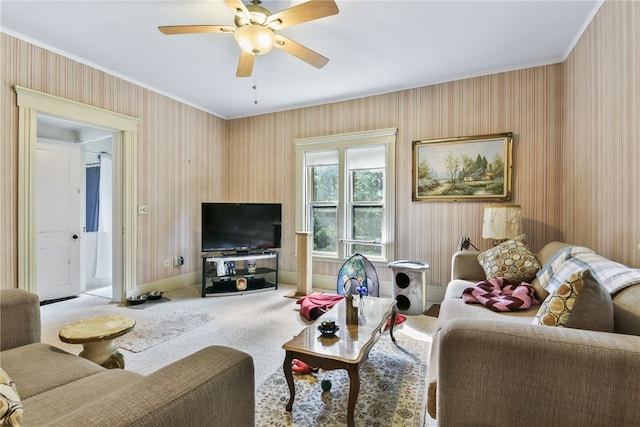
(256, 27)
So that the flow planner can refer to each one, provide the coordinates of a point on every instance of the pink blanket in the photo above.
(312, 306)
(500, 295)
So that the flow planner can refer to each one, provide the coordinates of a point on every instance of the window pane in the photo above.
(368, 185)
(325, 228)
(367, 223)
(366, 250)
(325, 183)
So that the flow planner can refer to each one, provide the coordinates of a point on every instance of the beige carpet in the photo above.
(257, 323)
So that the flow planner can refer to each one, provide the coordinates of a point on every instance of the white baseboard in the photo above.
(323, 282)
(171, 283)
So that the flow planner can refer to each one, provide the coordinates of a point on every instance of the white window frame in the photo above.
(342, 142)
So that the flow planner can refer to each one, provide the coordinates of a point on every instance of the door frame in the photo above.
(30, 103)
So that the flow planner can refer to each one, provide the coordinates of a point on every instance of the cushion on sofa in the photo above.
(465, 266)
(580, 303)
(10, 406)
(511, 259)
(19, 318)
(53, 405)
(545, 254)
(456, 308)
(39, 367)
(626, 311)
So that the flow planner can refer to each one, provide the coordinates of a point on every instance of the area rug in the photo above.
(392, 391)
(161, 327)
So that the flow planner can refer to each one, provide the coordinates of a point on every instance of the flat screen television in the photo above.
(241, 226)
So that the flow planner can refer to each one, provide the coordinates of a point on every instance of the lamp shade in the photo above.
(255, 39)
(501, 221)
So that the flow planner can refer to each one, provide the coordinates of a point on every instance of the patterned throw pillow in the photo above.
(511, 259)
(10, 405)
(580, 303)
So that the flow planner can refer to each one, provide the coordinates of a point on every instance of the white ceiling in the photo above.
(373, 46)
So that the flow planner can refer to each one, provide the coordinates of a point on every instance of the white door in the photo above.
(60, 212)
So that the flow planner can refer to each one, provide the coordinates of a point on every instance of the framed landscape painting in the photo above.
(468, 168)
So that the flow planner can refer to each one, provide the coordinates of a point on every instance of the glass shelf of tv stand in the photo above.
(241, 279)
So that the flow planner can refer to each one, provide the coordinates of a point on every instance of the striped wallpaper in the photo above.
(177, 145)
(575, 151)
(602, 135)
(526, 102)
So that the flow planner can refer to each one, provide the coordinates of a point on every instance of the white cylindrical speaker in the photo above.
(410, 286)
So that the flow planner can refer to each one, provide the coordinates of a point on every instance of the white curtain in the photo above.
(104, 252)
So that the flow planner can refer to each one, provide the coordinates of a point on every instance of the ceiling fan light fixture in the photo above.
(256, 30)
(255, 39)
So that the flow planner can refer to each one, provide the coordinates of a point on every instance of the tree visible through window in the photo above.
(367, 210)
(324, 207)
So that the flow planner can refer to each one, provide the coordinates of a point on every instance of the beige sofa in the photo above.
(212, 387)
(499, 369)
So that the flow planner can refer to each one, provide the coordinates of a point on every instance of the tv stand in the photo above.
(239, 272)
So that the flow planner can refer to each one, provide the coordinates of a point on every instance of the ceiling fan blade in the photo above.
(238, 7)
(300, 52)
(309, 11)
(193, 29)
(245, 64)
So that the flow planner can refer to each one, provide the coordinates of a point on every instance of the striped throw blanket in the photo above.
(612, 275)
(500, 295)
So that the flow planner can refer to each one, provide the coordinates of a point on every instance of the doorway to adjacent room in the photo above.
(31, 104)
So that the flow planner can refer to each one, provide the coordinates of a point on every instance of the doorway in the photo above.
(30, 104)
(74, 203)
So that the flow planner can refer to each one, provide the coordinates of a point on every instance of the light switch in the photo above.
(142, 209)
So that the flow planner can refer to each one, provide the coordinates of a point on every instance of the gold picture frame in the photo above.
(467, 168)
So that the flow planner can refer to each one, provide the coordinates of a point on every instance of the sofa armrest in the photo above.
(465, 266)
(19, 318)
(497, 373)
(212, 387)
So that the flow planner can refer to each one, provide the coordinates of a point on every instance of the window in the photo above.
(345, 193)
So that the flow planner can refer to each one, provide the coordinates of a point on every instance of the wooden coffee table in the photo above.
(346, 350)
(97, 335)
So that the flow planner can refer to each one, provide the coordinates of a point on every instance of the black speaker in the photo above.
(410, 286)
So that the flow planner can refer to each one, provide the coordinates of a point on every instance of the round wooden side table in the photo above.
(97, 337)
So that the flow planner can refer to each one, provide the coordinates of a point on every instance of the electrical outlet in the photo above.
(178, 261)
(167, 263)
(142, 209)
